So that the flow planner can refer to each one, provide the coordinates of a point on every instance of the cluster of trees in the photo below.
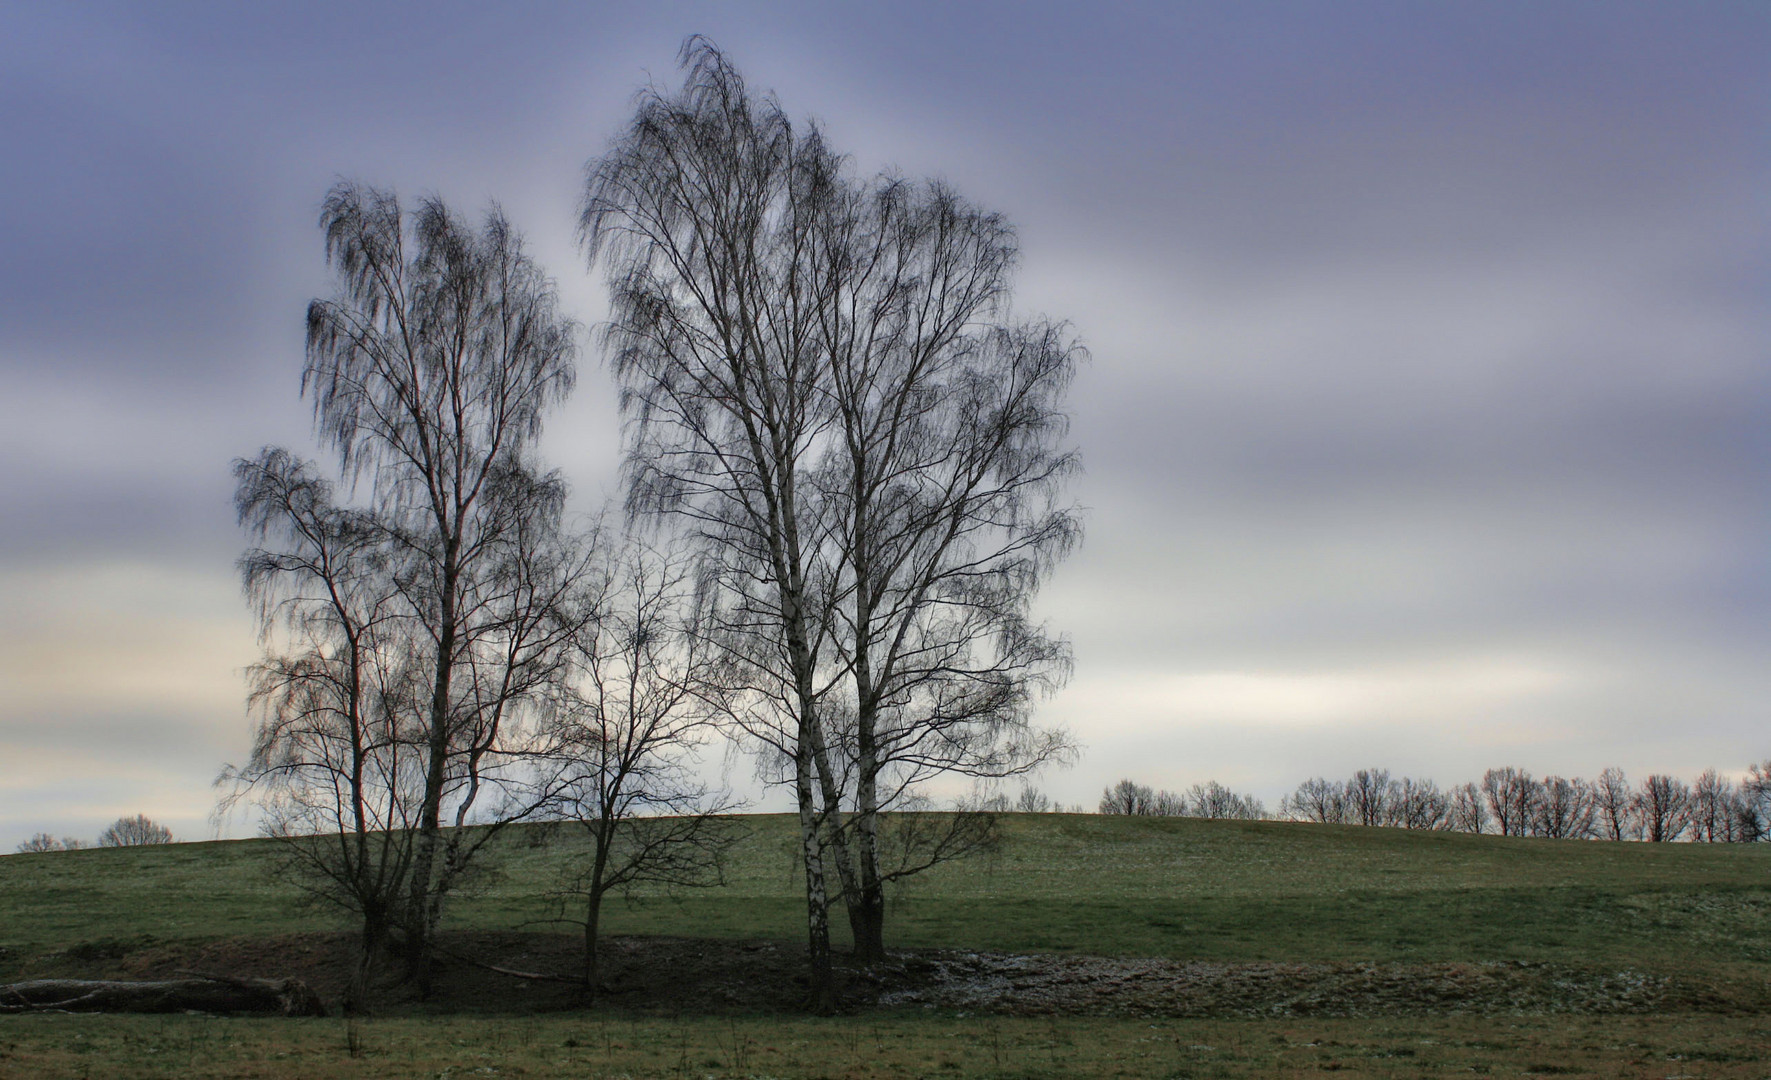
(1507, 801)
(124, 832)
(824, 388)
(1512, 802)
(1208, 800)
(847, 464)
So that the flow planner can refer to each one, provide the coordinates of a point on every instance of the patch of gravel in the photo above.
(1046, 984)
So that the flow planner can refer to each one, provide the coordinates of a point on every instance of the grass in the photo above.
(70, 1047)
(1178, 888)
(1166, 887)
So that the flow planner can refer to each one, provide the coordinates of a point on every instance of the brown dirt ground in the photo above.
(679, 976)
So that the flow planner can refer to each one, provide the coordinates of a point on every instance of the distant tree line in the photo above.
(1512, 802)
(1031, 800)
(124, 832)
(1208, 800)
(1507, 801)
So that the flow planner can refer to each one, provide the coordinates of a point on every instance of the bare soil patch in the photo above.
(668, 976)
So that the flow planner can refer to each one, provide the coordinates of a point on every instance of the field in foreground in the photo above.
(881, 1046)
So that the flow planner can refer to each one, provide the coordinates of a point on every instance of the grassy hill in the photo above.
(1115, 886)
(1175, 888)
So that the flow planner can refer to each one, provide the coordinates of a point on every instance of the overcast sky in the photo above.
(1428, 426)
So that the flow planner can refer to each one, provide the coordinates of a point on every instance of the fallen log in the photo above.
(211, 994)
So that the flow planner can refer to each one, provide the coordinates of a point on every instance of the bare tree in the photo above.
(40, 842)
(134, 831)
(334, 761)
(1753, 812)
(1168, 804)
(1511, 795)
(700, 210)
(1564, 809)
(1368, 797)
(1128, 797)
(1034, 801)
(1468, 811)
(1712, 808)
(1419, 804)
(1739, 824)
(872, 464)
(1213, 800)
(944, 487)
(1662, 806)
(1614, 805)
(1316, 800)
(632, 715)
(429, 373)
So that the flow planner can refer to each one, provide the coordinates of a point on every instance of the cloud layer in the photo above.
(1429, 424)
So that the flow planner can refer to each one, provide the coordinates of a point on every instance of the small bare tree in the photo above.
(134, 832)
(1564, 809)
(1614, 807)
(1753, 822)
(334, 759)
(1468, 811)
(1713, 812)
(1213, 800)
(638, 704)
(1318, 800)
(1168, 804)
(1512, 796)
(1419, 804)
(1663, 806)
(1369, 795)
(1128, 797)
(40, 842)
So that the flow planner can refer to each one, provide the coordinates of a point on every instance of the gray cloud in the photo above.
(1428, 425)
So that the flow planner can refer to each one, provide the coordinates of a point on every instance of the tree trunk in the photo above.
(592, 914)
(867, 920)
(356, 995)
(866, 893)
(282, 997)
(822, 996)
(835, 828)
(430, 821)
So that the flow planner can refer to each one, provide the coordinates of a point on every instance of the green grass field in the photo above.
(1175, 888)
(1166, 887)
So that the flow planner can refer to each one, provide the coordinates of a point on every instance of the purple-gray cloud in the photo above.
(1429, 423)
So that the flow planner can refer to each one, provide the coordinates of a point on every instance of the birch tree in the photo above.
(819, 379)
(429, 372)
(702, 210)
(944, 494)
